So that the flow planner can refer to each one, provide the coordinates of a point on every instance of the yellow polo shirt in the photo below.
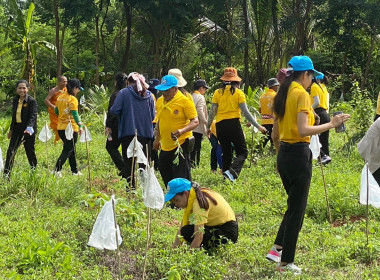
(18, 111)
(65, 104)
(228, 104)
(298, 100)
(216, 214)
(174, 115)
(378, 105)
(322, 93)
(266, 105)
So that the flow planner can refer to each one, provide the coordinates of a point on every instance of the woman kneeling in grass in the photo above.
(208, 219)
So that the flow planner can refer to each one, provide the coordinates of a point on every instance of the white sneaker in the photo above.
(77, 174)
(57, 174)
(274, 255)
(289, 267)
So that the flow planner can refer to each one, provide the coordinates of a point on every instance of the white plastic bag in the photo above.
(153, 196)
(86, 135)
(105, 118)
(138, 153)
(82, 101)
(1, 162)
(103, 234)
(374, 189)
(315, 146)
(69, 131)
(45, 133)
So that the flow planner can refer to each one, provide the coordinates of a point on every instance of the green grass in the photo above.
(45, 222)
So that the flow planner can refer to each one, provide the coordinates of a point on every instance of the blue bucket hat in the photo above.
(302, 63)
(176, 186)
(167, 82)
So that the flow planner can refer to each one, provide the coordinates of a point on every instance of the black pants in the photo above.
(230, 133)
(213, 236)
(376, 175)
(68, 152)
(169, 170)
(154, 154)
(128, 168)
(324, 136)
(195, 155)
(376, 117)
(294, 163)
(14, 144)
(113, 150)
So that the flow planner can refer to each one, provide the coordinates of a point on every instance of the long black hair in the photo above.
(282, 94)
(234, 86)
(202, 196)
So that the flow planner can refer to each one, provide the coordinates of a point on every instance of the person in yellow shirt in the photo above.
(51, 100)
(67, 110)
(292, 128)
(227, 103)
(266, 108)
(176, 118)
(208, 219)
(377, 108)
(320, 100)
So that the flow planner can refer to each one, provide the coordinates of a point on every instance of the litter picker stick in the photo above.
(324, 184)
(367, 210)
(88, 159)
(117, 239)
(147, 241)
(11, 161)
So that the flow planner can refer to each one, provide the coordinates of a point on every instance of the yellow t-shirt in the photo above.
(378, 105)
(228, 104)
(298, 100)
(322, 93)
(215, 215)
(213, 128)
(65, 104)
(266, 105)
(18, 111)
(174, 115)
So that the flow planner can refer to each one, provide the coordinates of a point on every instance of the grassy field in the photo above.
(45, 222)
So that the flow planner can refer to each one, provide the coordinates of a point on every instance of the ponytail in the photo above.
(202, 196)
(234, 85)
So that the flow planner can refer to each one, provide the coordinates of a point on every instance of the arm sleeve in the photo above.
(211, 115)
(56, 111)
(32, 119)
(111, 118)
(14, 108)
(316, 102)
(201, 112)
(117, 106)
(76, 117)
(243, 107)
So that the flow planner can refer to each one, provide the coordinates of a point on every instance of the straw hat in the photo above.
(178, 74)
(230, 75)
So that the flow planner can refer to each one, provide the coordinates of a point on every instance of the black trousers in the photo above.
(14, 144)
(154, 154)
(68, 152)
(376, 175)
(376, 117)
(128, 168)
(294, 163)
(169, 170)
(112, 148)
(324, 136)
(231, 134)
(195, 155)
(213, 236)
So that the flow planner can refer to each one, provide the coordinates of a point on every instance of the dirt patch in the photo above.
(352, 219)
(128, 263)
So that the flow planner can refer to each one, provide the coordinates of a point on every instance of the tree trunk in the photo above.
(97, 49)
(103, 41)
(246, 53)
(369, 59)
(230, 18)
(57, 42)
(128, 15)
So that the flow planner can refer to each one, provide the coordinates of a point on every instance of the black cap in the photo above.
(200, 83)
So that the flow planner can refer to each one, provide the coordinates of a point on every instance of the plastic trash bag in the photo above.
(69, 131)
(45, 133)
(374, 189)
(138, 153)
(315, 146)
(103, 233)
(153, 196)
(82, 101)
(1, 162)
(85, 136)
(105, 118)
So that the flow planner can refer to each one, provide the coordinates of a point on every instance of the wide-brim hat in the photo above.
(178, 74)
(230, 75)
(302, 63)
